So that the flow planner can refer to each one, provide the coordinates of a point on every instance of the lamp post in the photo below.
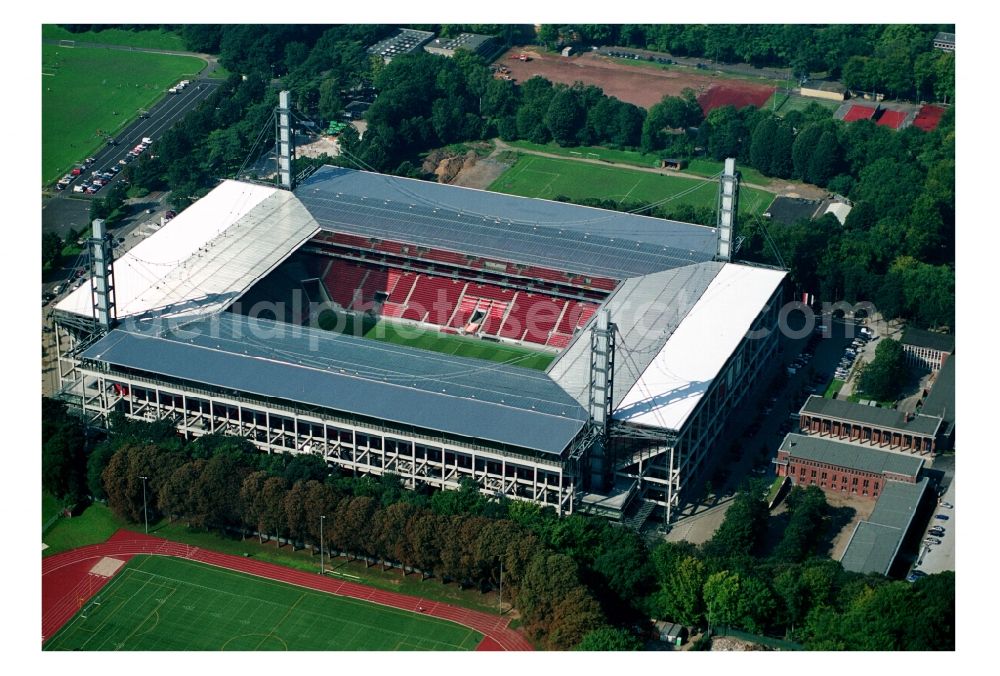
(145, 513)
(322, 518)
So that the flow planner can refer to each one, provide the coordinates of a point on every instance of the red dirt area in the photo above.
(891, 118)
(488, 645)
(731, 94)
(65, 575)
(634, 84)
(859, 113)
(928, 117)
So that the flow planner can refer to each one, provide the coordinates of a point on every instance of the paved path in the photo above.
(67, 579)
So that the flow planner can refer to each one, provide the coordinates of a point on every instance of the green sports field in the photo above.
(534, 176)
(159, 603)
(84, 87)
(405, 334)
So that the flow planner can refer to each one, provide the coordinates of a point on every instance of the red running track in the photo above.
(66, 583)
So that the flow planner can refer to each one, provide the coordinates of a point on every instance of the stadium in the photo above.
(574, 357)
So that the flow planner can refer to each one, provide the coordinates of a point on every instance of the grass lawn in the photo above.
(50, 507)
(544, 177)
(833, 389)
(784, 103)
(301, 559)
(772, 492)
(220, 73)
(633, 157)
(159, 603)
(703, 167)
(84, 88)
(149, 39)
(96, 524)
(405, 334)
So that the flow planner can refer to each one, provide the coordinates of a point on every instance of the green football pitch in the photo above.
(90, 92)
(159, 603)
(548, 178)
(405, 334)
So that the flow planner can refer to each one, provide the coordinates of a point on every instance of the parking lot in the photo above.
(65, 209)
(933, 557)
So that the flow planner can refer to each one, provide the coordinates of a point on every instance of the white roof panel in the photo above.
(674, 382)
(207, 256)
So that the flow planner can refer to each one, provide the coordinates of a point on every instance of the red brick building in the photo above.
(839, 467)
(925, 349)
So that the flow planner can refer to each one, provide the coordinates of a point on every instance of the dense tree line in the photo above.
(565, 576)
(577, 581)
(793, 592)
(64, 459)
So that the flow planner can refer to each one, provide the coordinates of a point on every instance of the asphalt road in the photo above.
(65, 210)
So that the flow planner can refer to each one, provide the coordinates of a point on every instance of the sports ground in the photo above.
(172, 596)
(89, 93)
(548, 178)
(405, 334)
(162, 603)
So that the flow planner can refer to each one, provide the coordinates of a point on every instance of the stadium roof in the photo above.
(942, 342)
(875, 543)
(888, 418)
(941, 401)
(207, 256)
(676, 331)
(468, 398)
(538, 232)
(853, 456)
(670, 389)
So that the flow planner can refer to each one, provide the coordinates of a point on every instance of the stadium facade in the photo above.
(655, 341)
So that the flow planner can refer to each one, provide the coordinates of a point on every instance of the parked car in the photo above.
(931, 541)
(947, 505)
(936, 532)
(941, 517)
(915, 575)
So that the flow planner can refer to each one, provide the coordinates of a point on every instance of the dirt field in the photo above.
(846, 512)
(635, 84)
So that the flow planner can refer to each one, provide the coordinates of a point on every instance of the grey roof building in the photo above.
(942, 342)
(941, 401)
(852, 456)
(403, 41)
(477, 44)
(945, 42)
(876, 543)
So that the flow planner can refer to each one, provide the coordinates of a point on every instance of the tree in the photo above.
(722, 598)
(295, 513)
(622, 560)
(745, 520)
(64, 463)
(215, 494)
(808, 509)
(756, 605)
(565, 116)
(422, 532)
(825, 161)
(884, 377)
(305, 467)
(52, 247)
(174, 497)
(680, 592)
(271, 504)
(608, 639)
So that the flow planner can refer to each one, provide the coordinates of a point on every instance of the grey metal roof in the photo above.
(538, 232)
(875, 543)
(465, 397)
(934, 341)
(941, 401)
(646, 310)
(888, 418)
(403, 41)
(843, 454)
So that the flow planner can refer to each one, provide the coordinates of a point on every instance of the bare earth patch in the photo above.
(634, 84)
(107, 566)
